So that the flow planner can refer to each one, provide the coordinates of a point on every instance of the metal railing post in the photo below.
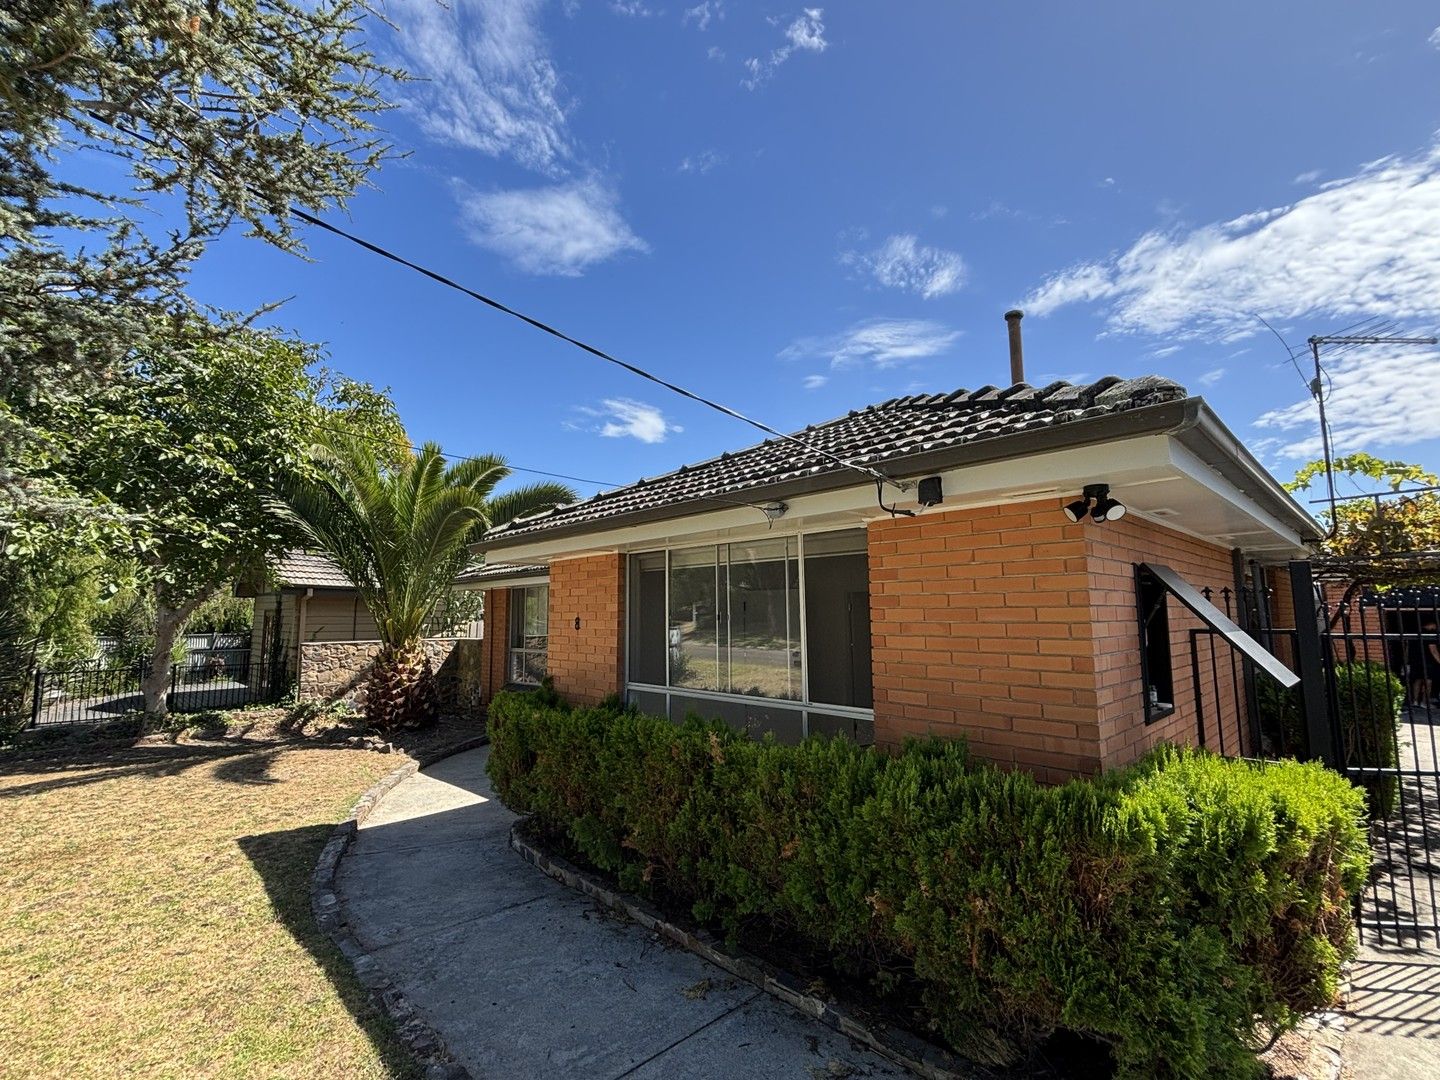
(39, 689)
(1310, 659)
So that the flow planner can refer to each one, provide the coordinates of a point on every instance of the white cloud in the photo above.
(715, 53)
(814, 382)
(703, 13)
(1377, 398)
(485, 80)
(1210, 378)
(882, 342)
(702, 162)
(939, 210)
(902, 262)
(805, 33)
(632, 8)
(1434, 37)
(1349, 249)
(1309, 176)
(623, 418)
(1163, 352)
(561, 229)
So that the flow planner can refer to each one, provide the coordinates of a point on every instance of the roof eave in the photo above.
(1170, 416)
(1207, 436)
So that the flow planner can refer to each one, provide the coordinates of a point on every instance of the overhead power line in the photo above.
(380, 439)
(384, 253)
(321, 223)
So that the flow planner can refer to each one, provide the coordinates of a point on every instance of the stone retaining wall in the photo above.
(336, 671)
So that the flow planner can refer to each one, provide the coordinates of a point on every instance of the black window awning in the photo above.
(1221, 623)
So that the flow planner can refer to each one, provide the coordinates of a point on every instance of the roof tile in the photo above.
(892, 429)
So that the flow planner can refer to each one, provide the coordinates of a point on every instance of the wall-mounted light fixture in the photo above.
(1095, 500)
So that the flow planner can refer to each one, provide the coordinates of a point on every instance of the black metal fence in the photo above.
(1368, 705)
(98, 691)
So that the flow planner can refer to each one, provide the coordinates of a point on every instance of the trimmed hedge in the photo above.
(1170, 909)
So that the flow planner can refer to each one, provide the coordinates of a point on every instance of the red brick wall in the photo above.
(1112, 550)
(980, 625)
(494, 649)
(588, 663)
(1017, 629)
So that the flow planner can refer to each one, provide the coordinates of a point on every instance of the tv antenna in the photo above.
(1346, 342)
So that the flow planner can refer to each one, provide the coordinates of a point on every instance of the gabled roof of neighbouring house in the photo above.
(315, 570)
(309, 570)
(892, 434)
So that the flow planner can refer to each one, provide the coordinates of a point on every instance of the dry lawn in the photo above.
(155, 917)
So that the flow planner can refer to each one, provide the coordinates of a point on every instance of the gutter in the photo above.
(1190, 420)
(1206, 435)
(1148, 420)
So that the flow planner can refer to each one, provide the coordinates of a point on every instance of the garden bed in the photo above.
(1174, 910)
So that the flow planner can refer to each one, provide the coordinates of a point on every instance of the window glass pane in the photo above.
(529, 633)
(695, 619)
(646, 651)
(837, 618)
(763, 658)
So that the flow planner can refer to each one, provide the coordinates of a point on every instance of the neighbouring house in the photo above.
(788, 593)
(311, 626)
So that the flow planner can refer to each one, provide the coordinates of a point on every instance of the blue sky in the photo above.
(803, 210)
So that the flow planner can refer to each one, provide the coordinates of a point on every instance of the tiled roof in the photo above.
(313, 570)
(877, 436)
(310, 570)
(485, 572)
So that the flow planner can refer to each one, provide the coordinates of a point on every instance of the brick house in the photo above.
(780, 591)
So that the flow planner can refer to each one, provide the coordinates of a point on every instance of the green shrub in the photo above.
(1171, 908)
(1369, 700)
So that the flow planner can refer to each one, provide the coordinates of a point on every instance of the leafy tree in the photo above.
(401, 534)
(222, 112)
(189, 446)
(1391, 525)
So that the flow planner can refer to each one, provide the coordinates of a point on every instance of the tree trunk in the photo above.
(155, 683)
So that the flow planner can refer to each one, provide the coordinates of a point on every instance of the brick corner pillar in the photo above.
(981, 628)
(587, 661)
(495, 646)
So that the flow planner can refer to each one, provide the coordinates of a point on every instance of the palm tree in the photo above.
(401, 532)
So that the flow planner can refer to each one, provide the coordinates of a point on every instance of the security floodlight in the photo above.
(1108, 509)
(1104, 508)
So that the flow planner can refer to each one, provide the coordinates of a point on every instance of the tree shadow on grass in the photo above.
(285, 861)
(114, 763)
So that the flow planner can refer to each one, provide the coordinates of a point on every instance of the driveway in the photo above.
(524, 978)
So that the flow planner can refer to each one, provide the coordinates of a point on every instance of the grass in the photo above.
(155, 916)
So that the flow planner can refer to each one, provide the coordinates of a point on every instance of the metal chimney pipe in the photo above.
(1017, 350)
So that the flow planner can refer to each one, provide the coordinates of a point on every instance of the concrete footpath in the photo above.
(524, 978)
(1394, 1009)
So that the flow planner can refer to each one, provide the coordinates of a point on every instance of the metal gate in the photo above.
(1368, 705)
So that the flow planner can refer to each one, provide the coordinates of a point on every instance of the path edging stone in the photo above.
(328, 910)
(900, 1046)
